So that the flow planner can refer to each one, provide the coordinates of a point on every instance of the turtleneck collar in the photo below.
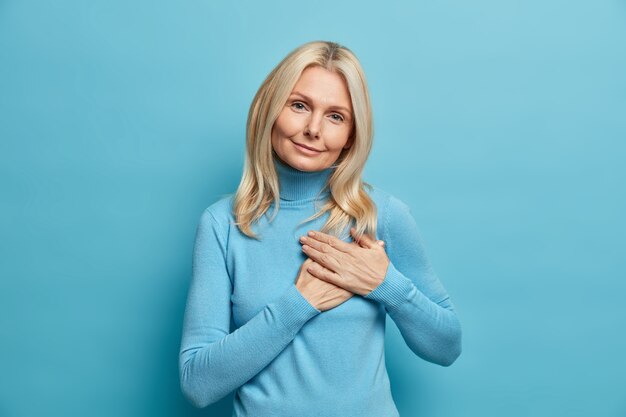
(298, 185)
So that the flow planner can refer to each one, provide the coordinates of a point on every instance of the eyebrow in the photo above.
(332, 107)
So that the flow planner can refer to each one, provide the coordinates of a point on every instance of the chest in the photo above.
(262, 270)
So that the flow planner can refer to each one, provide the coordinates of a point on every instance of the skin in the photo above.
(318, 114)
(358, 268)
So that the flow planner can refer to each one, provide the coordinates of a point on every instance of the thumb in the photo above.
(365, 240)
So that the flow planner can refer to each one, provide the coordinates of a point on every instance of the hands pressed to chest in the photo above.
(358, 267)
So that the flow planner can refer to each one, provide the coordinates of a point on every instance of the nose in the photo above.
(313, 127)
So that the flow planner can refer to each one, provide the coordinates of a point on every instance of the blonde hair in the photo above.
(348, 202)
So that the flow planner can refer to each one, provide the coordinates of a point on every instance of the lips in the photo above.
(307, 147)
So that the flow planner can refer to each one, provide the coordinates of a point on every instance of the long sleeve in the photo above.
(411, 292)
(212, 361)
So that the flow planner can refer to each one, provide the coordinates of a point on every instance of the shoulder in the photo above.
(386, 202)
(222, 208)
(219, 214)
(393, 213)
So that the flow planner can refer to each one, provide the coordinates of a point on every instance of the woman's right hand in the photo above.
(320, 294)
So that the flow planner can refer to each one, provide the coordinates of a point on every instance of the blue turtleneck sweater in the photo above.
(283, 356)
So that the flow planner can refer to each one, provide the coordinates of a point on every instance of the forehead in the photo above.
(324, 87)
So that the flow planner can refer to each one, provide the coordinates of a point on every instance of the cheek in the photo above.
(337, 138)
(287, 125)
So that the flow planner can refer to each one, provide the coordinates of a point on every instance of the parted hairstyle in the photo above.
(348, 203)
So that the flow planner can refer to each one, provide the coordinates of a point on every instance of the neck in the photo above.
(301, 185)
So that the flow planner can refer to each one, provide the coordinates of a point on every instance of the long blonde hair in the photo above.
(348, 203)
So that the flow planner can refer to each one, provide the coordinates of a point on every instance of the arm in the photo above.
(412, 294)
(212, 361)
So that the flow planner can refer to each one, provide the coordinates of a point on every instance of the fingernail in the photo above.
(311, 233)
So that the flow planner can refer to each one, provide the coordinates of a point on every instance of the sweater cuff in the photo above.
(293, 310)
(394, 290)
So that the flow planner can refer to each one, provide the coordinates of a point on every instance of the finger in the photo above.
(327, 239)
(325, 274)
(323, 258)
(364, 239)
(359, 239)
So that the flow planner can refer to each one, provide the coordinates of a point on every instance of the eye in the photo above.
(298, 105)
(339, 117)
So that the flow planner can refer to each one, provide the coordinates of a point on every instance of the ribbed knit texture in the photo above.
(282, 355)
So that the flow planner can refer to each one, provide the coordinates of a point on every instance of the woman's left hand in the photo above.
(358, 267)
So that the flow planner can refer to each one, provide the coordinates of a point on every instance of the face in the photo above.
(315, 124)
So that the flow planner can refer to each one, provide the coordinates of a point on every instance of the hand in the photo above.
(358, 267)
(320, 294)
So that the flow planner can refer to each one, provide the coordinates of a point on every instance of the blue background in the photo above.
(501, 123)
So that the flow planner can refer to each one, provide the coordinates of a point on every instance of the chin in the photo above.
(305, 165)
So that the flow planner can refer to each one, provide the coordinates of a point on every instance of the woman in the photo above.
(308, 311)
